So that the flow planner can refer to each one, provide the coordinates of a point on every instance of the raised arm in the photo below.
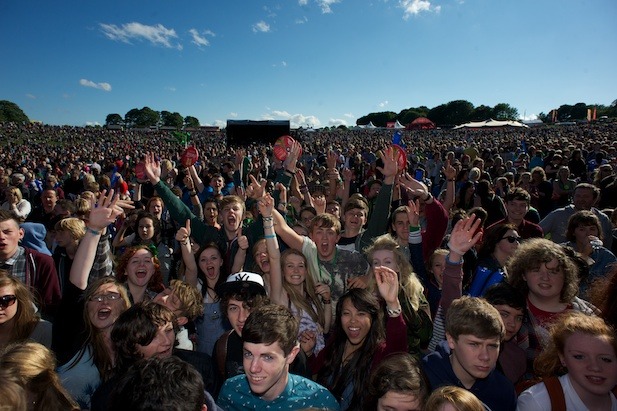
(277, 293)
(450, 174)
(183, 236)
(102, 213)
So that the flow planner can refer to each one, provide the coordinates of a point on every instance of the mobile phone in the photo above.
(419, 175)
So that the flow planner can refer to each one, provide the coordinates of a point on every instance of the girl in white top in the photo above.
(583, 351)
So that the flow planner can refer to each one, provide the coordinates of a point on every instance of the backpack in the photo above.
(555, 393)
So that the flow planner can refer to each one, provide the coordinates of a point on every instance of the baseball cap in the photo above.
(242, 282)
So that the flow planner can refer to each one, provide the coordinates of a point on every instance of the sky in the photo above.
(316, 63)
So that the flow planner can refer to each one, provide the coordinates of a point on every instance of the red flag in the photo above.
(595, 113)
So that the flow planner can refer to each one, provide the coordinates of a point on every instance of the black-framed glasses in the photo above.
(7, 300)
(99, 298)
(512, 239)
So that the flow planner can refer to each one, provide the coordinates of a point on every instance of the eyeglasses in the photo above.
(99, 298)
(7, 300)
(512, 239)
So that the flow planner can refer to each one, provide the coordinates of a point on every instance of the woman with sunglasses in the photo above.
(19, 320)
(498, 245)
(82, 338)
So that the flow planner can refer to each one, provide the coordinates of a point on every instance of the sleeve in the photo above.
(180, 213)
(23, 209)
(452, 285)
(533, 399)
(437, 224)
(378, 222)
(102, 266)
(46, 282)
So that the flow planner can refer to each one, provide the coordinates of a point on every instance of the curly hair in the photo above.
(535, 252)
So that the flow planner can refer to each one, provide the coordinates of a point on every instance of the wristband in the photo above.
(414, 228)
(452, 262)
(452, 179)
(192, 193)
(270, 236)
(269, 218)
(394, 312)
(92, 231)
(459, 252)
(326, 302)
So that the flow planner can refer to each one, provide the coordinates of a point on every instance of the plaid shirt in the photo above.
(16, 266)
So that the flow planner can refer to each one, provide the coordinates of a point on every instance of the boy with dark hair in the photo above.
(511, 305)
(270, 346)
(518, 203)
(474, 331)
(155, 384)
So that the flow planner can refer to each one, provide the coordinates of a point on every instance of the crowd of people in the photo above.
(353, 270)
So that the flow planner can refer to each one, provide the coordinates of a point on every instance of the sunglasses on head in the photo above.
(7, 300)
(512, 239)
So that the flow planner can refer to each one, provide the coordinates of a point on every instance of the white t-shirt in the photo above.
(536, 398)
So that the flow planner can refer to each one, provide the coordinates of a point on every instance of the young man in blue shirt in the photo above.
(270, 345)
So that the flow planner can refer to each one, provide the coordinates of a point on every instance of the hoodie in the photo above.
(495, 391)
(34, 237)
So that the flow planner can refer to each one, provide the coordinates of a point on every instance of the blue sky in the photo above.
(315, 62)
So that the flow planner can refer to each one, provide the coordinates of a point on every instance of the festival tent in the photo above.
(421, 123)
(491, 123)
(369, 125)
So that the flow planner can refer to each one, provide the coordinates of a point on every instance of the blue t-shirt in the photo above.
(299, 393)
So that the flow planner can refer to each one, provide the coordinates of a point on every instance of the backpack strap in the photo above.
(221, 353)
(555, 393)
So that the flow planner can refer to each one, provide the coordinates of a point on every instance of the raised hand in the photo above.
(387, 284)
(413, 213)
(319, 202)
(331, 159)
(183, 233)
(347, 174)
(308, 340)
(465, 235)
(292, 157)
(448, 171)
(243, 241)
(390, 166)
(104, 211)
(323, 290)
(266, 205)
(256, 189)
(152, 168)
(417, 188)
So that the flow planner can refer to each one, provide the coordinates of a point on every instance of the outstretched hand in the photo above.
(152, 168)
(105, 210)
(266, 204)
(256, 189)
(465, 235)
(390, 166)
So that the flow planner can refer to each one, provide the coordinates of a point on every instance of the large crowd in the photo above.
(341, 269)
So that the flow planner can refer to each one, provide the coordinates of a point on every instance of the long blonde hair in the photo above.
(410, 284)
(33, 366)
(309, 302)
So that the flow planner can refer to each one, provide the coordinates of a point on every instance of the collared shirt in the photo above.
(16, 265)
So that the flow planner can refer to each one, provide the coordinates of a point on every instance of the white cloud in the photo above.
(169, 88)
(98, 86)
(529, 117)
(325, 5)
(383, 103)
(158, 35)
(31, 96)
(261, 26)
(92, 123)
(220, 123)
(301, 20)
(415, 7)
(302, 2)
(295, 120)
(199, 39)
(233, 115)
(349, 115)
(337, 122)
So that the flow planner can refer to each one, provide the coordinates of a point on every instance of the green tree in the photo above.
(172, 119)
(579, 111)
(379, 119)
(114, 120)
(406, 116)
(482, 113)
(503, 111)
(10, 112)
(545, 118)
(143, 118)
(191, 122)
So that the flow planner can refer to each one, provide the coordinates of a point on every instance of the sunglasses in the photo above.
(99, 298)
(512, 239)
(7, 301)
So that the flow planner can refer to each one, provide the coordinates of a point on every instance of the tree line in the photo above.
(444, 115)
(462, 111)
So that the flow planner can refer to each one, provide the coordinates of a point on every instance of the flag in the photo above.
(595, 113)
(397, 139)
(588, 114)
